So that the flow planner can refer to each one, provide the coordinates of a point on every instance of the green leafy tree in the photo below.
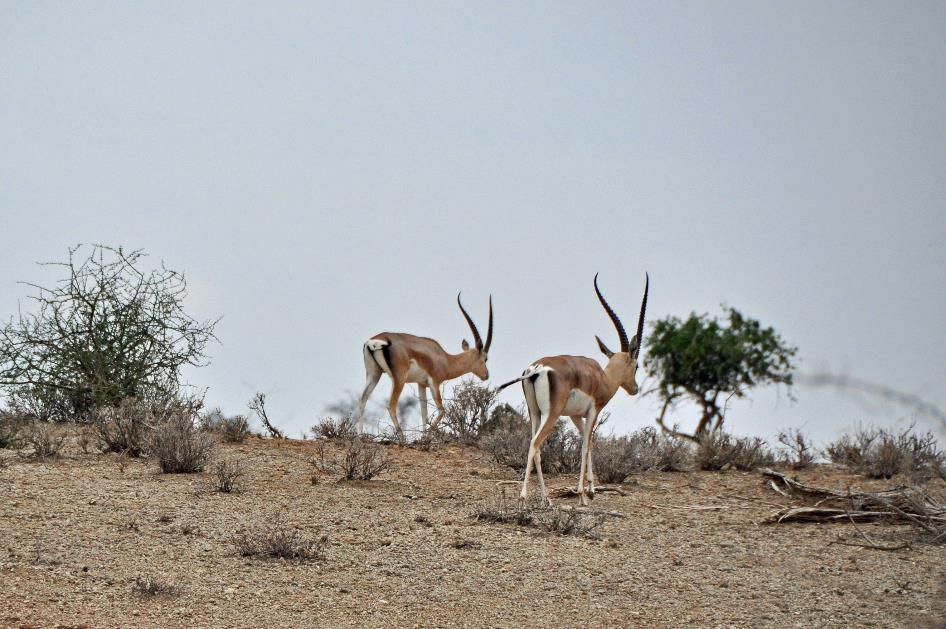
(710, 361)
(106, 331)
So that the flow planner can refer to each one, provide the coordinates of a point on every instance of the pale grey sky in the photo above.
(326, 171)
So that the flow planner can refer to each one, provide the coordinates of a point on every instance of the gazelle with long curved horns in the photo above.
(577, 387)
(422, 361)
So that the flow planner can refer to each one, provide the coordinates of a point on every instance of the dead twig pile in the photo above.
(909, 505)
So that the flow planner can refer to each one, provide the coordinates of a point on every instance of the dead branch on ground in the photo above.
(902, 504)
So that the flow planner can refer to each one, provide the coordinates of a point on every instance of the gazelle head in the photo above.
(622, 365)
(479, 353)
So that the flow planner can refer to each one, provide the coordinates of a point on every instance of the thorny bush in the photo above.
(358, 460)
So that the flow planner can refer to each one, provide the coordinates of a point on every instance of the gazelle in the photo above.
(578, 387)
(416, 359)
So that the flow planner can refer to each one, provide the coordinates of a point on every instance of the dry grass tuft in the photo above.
(798, 453)
(152, 586)
(227, 475)
(880, 453)
(359, 460)
(335, 428)
(557, 520)
(280, 541)
(232, 429)
(42, 440)
(718, 450)
(180, 447)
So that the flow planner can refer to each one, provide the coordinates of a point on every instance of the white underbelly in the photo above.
(417, 375)
(578, 403)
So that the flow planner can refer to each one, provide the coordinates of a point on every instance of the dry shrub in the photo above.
(752, 453)
(508, 442)
(124, 429)
(152, 586)
(880, 453)
(10, 425)
(561, 521)
(232, 429)
(179, 445)
(358, 460)
(718, 450)
(228, 475)
(797, 451)
(616, 458)
(468, 414)
(281, 541)
(335, 428)
(43, 440)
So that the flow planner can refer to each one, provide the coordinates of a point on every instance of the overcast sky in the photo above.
(326, 171)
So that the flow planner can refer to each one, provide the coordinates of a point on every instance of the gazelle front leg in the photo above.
(585, 454)
(591, 420)
(579, 423)
(438, 402)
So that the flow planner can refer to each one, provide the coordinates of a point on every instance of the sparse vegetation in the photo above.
(797, 451)
(231, 429)
(227, 475)
(43, 440)
(358, 460)
(881, 453)
(468, 414)
(152, 586)
(335, 428)
(125, 428)
(279, 540)
(508, 442)
(703, 358)
(558, 520)
(9, 430)
(179, 446)
(718, 450)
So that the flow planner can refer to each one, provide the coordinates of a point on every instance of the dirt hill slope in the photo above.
(78, 531)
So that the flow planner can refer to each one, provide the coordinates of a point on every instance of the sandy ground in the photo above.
(77, 532)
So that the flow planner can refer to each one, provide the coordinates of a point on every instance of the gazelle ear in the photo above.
(635, 346)
(465, 345)
(604, 348)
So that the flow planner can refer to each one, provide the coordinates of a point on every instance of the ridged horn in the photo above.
(476, 333)
(640, 321)
(625, 345)
(489, 329)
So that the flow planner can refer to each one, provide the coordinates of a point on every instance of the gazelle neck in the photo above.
(460, 364)
(615, 373)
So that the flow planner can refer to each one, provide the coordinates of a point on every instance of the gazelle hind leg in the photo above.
(422, 398)
(547, 418)
(372, 376)
(528, 390)
(396, 389)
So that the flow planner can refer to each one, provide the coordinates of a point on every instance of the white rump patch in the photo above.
(535, 369)
(375, 345)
